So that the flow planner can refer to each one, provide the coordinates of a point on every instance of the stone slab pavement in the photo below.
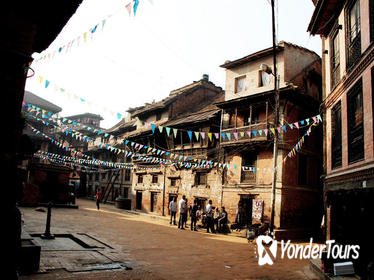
(150, 246)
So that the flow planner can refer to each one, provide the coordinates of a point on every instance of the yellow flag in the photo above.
(210, 136)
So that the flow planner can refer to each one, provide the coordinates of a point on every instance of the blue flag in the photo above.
(189, 134)
(153, 126)
(136, 3)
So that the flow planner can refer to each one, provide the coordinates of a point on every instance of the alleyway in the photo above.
(154, 249)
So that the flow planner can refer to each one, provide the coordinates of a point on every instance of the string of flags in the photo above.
(140, 147)
(230, 136)
(146, 158)
(82, 163)
(131, 7)
(58, 161)
(198, 134)
(300, 143)
(48, 84)
(134, 155)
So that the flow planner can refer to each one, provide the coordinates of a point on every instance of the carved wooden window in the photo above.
(127, 175)
(200, 178)
(248, 172)
(355, 123)
(335, 58)
(154, 179)
(140, 179)
(336, 136)
(353, 33)
(173, 182)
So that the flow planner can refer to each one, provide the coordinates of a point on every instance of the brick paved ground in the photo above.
(153, 248)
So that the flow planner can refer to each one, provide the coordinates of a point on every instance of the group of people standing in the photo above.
(212, 217)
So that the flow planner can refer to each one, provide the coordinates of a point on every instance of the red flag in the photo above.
(128, 7)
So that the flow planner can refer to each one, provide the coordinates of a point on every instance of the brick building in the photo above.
(247, 109)
(189, 107)
(43, 180)
(347, 32)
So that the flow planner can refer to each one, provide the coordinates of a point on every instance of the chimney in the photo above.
(205, 77)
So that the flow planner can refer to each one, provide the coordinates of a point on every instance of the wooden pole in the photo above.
(276, 121)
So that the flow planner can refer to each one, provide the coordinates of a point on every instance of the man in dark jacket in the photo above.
(193, 211)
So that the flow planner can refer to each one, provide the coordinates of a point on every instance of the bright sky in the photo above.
(168, 44)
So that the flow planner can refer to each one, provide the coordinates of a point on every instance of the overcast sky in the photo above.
(168, 44)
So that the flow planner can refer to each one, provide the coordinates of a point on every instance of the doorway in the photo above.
(246, 202)
(139, 197)
(153, 200)
(201, 202)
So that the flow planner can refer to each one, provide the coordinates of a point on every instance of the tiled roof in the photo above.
(197, 117)
(171, 98)
(260, 54)
(144, 129)
(33, 99)
(121, 125)
(88, 115)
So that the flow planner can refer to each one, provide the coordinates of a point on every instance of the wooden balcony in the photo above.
(246, 134)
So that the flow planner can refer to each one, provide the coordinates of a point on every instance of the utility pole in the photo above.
(276, 122)
(163, 192)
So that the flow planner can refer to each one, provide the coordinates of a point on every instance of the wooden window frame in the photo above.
(356, 141)
(334, 57)
(336, 136)
(173, 182)
(140, 178)
(253, 174)
(198, 178)
(154, 179)
(236, 83)
(353, 46)
(127, 175)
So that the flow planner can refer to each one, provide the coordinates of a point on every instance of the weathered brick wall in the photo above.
(190, 102)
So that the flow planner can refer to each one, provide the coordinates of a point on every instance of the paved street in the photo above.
(151, 247)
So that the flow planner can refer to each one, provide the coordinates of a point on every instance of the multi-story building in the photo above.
(247, 140)
(44, 180)
(112, 181)
(88, 125)
(347, 32)
(185, 108)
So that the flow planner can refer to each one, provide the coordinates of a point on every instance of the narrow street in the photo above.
(152, 248)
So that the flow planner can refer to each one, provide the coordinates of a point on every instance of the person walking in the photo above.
(182, 210)
(209, 217)
(193, 215)
(173, 207)
(98, 198)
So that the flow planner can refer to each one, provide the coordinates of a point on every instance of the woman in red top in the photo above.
(98, 198)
